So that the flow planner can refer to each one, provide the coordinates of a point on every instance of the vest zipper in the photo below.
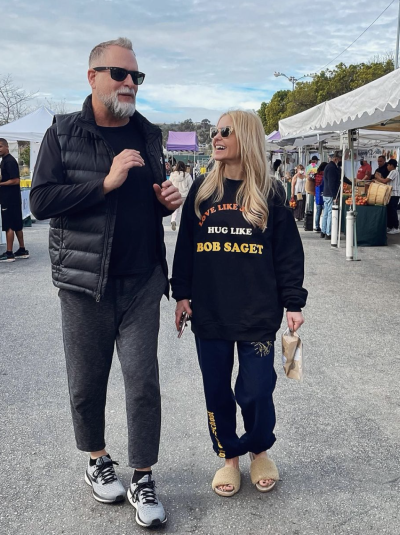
(103, 261)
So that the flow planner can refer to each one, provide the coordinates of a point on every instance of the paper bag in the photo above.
(292, 355)
(299, 196)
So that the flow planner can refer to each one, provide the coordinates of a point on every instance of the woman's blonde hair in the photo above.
(254, 190)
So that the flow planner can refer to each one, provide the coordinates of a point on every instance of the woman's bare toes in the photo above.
(266, 482)
(225, 488)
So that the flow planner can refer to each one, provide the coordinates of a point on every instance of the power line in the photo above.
(372, 23)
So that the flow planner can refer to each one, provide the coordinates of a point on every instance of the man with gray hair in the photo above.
(100, 177)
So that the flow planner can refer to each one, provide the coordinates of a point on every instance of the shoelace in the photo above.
(106, 472)
(147, 491)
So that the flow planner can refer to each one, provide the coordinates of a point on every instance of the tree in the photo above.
(13, 100)
(325, 85)
(186, 126)
(57, 106)
(274, 110)
(25, 152)
(263, 117)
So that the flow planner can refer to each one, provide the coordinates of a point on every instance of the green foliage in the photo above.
(325, 85)
(262, 113)
(25, 152)
(275, 109)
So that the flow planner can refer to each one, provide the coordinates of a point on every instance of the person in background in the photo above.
(330, 192)
(394, 181)
(364, 171)
(210, 164)
(382, 167)
(238, 243)
(277, 169)
(182, 181)
(196, 170)
(299, 192)
(11, 205)
(319, 201)
(312, 166)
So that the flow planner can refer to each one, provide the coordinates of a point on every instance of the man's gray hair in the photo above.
(98, 50)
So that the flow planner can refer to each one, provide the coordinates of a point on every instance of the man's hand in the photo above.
(181, 306)
(168, 195)
(124, 161)
(294, 320)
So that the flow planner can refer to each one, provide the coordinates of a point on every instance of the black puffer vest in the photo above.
(80, 244)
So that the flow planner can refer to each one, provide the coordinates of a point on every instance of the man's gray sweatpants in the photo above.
(128, 315)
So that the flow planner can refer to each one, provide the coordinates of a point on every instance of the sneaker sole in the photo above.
(25, 256)
(100, 499)
(156, 522)
(8, 260)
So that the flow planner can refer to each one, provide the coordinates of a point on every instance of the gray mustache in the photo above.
(127, 92)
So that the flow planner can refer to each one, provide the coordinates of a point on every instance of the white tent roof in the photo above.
(374, 105)
(366, 139)
(32, 127)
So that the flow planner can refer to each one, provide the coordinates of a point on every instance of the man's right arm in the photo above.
(50, 195)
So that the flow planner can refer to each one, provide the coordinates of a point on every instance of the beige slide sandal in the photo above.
(228, 475)
(263, 468)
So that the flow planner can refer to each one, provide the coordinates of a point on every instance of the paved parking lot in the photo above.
(338, 432)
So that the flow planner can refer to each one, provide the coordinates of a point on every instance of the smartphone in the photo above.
(183, 323)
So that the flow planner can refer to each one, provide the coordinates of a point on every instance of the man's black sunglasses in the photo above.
(119, 75)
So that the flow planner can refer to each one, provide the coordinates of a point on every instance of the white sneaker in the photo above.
(143, 497)
(395, 231)
(107, 488)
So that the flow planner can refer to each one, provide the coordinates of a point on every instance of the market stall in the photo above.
(182, 143)
(375, 107)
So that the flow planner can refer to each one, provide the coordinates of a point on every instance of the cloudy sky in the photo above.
(200, 57)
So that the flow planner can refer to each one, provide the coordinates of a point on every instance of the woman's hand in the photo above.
(294, 320)
(181, 306)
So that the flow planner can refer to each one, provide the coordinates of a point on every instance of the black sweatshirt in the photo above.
(238, 277)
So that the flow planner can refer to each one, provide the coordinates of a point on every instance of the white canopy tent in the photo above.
(374, 106)
(31, 127)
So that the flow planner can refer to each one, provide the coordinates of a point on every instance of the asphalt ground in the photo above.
(338, 432)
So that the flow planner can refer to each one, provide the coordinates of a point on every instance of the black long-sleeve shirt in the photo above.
(238, 277)
(47, 198)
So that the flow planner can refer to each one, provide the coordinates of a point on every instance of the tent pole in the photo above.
(343, 147)
(284, 162)
(353, 193)
(396, 58)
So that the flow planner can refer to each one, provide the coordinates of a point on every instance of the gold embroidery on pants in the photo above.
(213, 427)
(262, 349)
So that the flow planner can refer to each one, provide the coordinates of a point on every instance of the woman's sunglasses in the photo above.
(119, 75)
(225, 131)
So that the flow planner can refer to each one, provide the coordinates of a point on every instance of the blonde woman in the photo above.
(181, 180)
(238, 261)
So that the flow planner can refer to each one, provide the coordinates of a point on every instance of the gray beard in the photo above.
(119, 110)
